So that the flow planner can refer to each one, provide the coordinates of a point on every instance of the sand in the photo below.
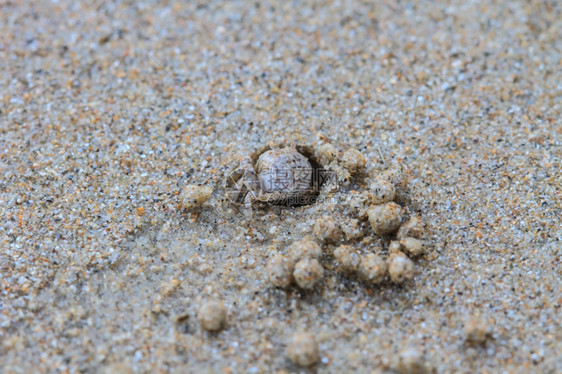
(102, 270)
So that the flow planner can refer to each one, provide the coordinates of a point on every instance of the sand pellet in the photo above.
(413, 227)
(308, 272)
(212, 315)
(477, 330)
(348, 259)
(302, 349)
(400, 267)
(372, 268)
(305, 248)
(386, 218)
(280, 270)
(326, 229)
(193, 196)
(353, 160)
(382, 191)
(412, 246)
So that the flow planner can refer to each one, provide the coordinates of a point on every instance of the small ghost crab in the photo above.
(278, 174)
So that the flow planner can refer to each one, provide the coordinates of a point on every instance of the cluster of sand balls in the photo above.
(386, 219)
(301, 265)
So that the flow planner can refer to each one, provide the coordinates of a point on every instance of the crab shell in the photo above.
(284, 170)
(280, 176)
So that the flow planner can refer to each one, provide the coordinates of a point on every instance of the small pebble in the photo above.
(327, 230)
(412, 246)
(308, 272)
(305, 248)
(353, 160)
(382, 191)
(192, 196)
(412, 228)
(386, 218)
(348, 259)
(400, 267)
(372, 268)
(212, 315)
(303, 349)
(280, 271)
(477, 330)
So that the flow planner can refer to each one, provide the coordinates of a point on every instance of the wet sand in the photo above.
(103, 270)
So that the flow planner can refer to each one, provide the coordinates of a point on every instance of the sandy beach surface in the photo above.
(103, 269)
